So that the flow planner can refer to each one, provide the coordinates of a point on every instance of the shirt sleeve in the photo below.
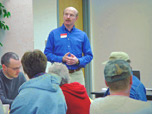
(88, 55)
(49, 50)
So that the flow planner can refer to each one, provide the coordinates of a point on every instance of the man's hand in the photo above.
(72, 60)
(65, 57)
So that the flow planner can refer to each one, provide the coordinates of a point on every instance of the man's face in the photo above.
(69, 17)
(13, 69)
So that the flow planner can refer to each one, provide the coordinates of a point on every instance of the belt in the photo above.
(72, 71)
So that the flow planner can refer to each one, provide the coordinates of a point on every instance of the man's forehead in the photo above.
(13, 61)
(70, 10)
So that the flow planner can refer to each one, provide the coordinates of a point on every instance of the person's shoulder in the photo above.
(98, 100)
(137, 82)
(78, 30)
(139, 103)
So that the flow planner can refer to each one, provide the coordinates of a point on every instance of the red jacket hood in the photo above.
(76, 89)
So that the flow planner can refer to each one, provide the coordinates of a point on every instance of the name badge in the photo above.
(63, 35)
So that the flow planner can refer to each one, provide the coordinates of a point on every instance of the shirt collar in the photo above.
(65, 29)
(7, 76)
(39, 74)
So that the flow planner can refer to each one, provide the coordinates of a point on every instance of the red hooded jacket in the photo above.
(76, 97)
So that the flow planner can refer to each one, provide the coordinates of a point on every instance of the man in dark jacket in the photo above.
(10, 77)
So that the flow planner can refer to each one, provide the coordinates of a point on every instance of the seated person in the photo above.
(137, 90)
(76, 96)
(118, 78)
(42, 93)
(10, 77)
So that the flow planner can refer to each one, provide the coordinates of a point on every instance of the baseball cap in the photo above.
(116, 70)
(118, 55)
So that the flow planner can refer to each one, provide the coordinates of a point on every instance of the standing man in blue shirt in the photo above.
(66, 44)
(137, 90)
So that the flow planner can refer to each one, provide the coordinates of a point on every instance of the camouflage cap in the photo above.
(116, 70)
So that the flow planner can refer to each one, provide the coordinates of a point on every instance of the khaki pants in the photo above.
(77, 76)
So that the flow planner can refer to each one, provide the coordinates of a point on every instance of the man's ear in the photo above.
(131, 80)
(3, 66)
(77, 18)
(106, 83)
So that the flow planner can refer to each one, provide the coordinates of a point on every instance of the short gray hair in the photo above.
(60, 70)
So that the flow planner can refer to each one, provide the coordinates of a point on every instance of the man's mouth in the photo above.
(68, 20)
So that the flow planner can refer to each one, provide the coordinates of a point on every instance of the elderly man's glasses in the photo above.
(15, 69)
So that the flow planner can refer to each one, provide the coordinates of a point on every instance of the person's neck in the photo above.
(121, 93)
(68, 27)
(6, 75)
(39, 74)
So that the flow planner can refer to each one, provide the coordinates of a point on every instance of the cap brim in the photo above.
(104, 62)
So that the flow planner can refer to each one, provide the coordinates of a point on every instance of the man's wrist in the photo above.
(63, 61)
(78, 62)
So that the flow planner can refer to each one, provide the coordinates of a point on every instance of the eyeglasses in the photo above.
(15, 69)
(70, 15)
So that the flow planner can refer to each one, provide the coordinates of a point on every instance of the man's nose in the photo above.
(68, 16)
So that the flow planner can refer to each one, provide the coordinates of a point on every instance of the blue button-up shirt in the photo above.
(60, 41)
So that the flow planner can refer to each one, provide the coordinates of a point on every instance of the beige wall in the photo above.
(30, 24)
(45, 20)
(121, 25)
(20, 36)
